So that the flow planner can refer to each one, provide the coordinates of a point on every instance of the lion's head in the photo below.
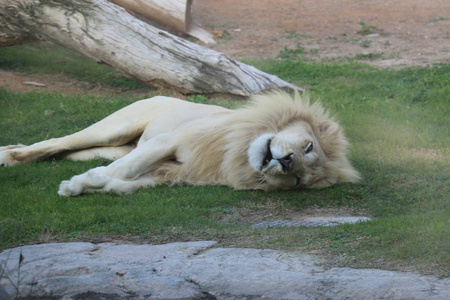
(289, 144)
(291, 158)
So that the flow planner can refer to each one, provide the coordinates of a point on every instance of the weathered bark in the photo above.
(108, 34)
(172, 14)
(10, 34)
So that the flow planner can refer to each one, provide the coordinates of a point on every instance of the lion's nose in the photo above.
(286, 162)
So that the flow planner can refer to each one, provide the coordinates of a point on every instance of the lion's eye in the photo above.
(309, 148)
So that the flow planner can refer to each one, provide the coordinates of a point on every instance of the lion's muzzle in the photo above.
(286, 162)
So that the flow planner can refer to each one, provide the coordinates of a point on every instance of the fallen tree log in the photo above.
(108, 34)
(173, 14)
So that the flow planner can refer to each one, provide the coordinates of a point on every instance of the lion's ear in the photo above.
(329, 128)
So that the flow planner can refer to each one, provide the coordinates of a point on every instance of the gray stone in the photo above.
(197, 270)
(3, 294)
(312, 222)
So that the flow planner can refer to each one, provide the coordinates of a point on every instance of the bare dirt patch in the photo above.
(277, 209)
(425, 154)
(47, 82)
(396, 33)
(58, 83)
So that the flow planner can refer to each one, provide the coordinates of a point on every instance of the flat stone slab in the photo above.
(312, 222)
(197, 270)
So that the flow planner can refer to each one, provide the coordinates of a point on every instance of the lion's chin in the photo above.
(259, 154)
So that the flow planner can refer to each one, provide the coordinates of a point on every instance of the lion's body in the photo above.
(266, 145)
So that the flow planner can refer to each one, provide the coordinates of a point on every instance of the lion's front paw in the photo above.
(68, 189)
(89, 182)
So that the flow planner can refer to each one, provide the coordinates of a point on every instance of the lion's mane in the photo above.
(220, 153)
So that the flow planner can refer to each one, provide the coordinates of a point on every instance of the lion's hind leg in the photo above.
(68, 147)
(118, 129)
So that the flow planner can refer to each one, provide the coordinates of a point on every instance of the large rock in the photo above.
(198, 270)
(312, 222)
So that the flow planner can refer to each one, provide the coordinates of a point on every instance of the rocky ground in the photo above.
(197, 270)
(200, 270)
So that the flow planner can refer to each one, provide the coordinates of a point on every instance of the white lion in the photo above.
(275, 142)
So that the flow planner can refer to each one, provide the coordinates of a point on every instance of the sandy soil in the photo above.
(408, 32)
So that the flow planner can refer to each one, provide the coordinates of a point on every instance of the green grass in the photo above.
(292, 54)
(366, 29)
(42, 58)
(397, 121)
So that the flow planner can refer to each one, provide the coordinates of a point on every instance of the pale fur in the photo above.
(209, 152)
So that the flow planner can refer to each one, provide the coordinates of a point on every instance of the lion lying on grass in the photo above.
(275, 142)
